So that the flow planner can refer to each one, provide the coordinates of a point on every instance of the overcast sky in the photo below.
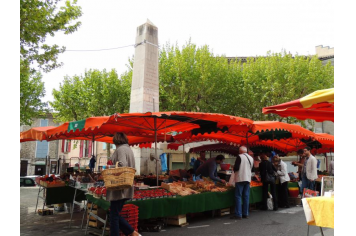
(231, 28)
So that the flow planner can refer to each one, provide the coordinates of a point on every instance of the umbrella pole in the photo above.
(183, 158)
(155, 124)
(92, 152)
(248, 148)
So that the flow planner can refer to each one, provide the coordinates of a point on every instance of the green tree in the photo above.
(31, 91)
(97, 93)
(39, 19)
(194, 79)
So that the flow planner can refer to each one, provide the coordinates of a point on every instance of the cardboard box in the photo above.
(177, 220)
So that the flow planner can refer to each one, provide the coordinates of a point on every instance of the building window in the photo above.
(42, 146)
(112, 146)
(66, 146)
(85, 148)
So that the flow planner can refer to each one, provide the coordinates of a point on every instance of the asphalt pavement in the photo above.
(289, 222)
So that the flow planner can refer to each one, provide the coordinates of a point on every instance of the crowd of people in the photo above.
(273, 174)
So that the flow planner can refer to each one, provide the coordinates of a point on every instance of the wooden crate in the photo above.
(295, 201)
(179, 220)
(223, 212)
(95, 207)
(57, 184)
(165, 186)
(95, 224)
(45, 212)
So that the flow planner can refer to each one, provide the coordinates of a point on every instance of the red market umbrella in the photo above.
(146, 125)
(318, 106)
(34, 134)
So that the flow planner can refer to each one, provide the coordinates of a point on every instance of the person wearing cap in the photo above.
(284, 178)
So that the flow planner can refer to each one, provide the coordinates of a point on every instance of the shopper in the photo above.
(282, 172)
(92, 163)
(256, 163)
(209, 168)
(199, 161)
(300, 165)
(310, 169)
(124, 156)
(242, 168)
(267, 172)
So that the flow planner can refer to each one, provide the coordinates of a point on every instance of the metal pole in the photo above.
(183, 157)
(247, 143)
(155, 121)
(92, 153)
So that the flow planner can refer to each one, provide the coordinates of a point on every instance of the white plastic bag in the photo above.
(232, 179)
(270, 202)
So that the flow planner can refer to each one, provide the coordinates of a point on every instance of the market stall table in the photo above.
(319, 211)
(57, 195)
(80, 191)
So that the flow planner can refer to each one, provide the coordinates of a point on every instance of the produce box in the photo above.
(45, 212)
(293, 201)
(177, 220)
(222, 212)
(166, 186)
(52, 184)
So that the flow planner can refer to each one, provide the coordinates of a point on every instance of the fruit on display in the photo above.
(91, 190)
(99, 191)
(151, 194)
(255, 183)
(177, 188)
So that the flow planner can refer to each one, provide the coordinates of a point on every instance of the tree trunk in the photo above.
(108, 145)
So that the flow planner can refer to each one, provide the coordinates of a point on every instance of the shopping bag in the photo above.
(270, 202)
(232, 179)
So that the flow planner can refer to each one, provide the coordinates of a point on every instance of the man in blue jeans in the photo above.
(309, 170)
(242, 168)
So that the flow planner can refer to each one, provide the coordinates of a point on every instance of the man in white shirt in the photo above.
(310, 168)
(242, 168)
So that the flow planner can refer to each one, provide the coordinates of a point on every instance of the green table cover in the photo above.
(163, 207)
(64, 194)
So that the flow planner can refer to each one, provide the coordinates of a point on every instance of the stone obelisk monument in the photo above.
(145, 85)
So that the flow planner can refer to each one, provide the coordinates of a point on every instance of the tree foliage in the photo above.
(194, 79)
(97, 93)
(31, 91)
(39, 19)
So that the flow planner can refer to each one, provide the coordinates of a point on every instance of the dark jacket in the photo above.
(208, 169)
(266, 166)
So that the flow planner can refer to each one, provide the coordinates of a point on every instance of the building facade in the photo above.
(39, 158)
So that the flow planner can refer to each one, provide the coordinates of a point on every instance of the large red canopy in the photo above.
(318, 106)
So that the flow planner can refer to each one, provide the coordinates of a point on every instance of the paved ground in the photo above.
(283, 222)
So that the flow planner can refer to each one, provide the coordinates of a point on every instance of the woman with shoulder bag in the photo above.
(124, 156)
(267, 172)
